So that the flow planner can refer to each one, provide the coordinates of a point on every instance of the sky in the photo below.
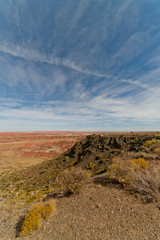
(79, 65)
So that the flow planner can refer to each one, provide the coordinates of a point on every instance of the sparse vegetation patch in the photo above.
(138, 176)
(71, 180)
(32, 220)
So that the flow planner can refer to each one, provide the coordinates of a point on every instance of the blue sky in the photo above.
(79, 65)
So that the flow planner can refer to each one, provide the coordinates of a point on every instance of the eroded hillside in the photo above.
(125, 162)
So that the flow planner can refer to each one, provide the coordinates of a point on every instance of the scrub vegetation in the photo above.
(32, 220)
(131, 161)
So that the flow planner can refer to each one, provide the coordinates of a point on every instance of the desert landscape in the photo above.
(22, 149)
(79, 120)
(79, 185)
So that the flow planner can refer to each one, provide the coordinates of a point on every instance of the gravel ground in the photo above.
(97, 213)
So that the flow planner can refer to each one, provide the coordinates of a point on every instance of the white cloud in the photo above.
(143, 107)
(33, 55)
(113, 97)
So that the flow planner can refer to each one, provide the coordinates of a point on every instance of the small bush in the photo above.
(32, 220)
(70, 181)
(100, 170)
(86, 149)
(147, 184)
(73, 163)
(149, 142)
(66, 158)
(100, 156)
(140, 162)
(103, 160)
(156, 149)
(91, 165)
(120, 170)
(136, 175)
(48, 210)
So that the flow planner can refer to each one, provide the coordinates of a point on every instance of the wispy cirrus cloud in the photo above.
(80, 64)
(95, 110)
(32, 55)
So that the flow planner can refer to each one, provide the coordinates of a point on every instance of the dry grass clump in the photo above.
(147, 183)
(48, 209)
(32, 220)
(136, 175)
(71, 180)
(120, 170)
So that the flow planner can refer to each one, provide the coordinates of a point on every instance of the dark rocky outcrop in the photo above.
(95, 152)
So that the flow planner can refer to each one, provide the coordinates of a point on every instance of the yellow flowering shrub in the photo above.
(138, 176)
(140, 162)
(149, 142)
(32, 220)
(100, 156)
(156, 149)
(90, 165)
(122, 170)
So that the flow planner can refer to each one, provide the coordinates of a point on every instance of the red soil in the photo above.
(39, 144)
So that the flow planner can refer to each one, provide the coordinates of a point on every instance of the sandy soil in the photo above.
(98, 213)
